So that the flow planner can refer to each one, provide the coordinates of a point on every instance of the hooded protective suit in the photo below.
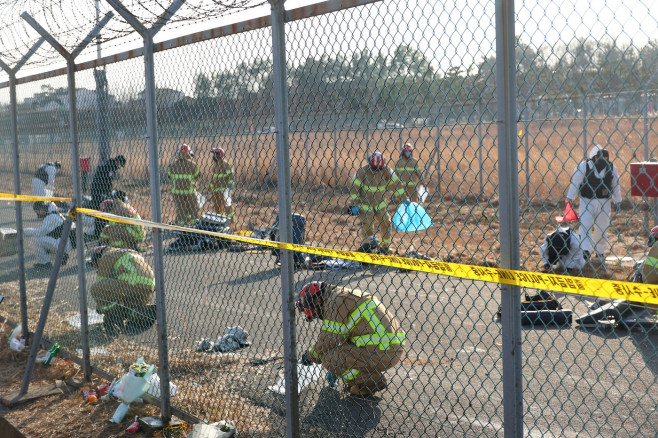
(596, 181)
(49, 233)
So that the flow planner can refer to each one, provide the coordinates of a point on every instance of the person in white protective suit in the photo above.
(48, 235)
(561, 250)
(43, 182)
(596, 181)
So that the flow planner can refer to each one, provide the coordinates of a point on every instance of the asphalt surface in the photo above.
(576, 382)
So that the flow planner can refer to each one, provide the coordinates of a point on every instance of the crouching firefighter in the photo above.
(123, 291)
(119, 234)
(359, 338)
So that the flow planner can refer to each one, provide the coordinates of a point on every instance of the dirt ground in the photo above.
(65, 414)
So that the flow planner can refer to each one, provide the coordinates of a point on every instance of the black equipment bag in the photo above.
(298, 236)
(213, 222)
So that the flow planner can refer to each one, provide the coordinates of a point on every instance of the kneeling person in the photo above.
(562, 250)
(124, 289)
(118, 234)
(359, 338)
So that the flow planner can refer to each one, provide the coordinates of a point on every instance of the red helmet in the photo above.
(96, 256)
(311, 300)
(408, 147)
(185, 149)
(218, 152)
(106, 205)
(377, 160)
(653, 236)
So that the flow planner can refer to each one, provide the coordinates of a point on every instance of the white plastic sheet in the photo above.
(306, 374)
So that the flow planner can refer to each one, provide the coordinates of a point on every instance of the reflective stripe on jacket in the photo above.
(355, 317)
(369, 188)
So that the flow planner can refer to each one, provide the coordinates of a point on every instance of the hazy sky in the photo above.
(450, 33)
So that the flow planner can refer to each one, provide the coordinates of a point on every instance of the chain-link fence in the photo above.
(201, 142)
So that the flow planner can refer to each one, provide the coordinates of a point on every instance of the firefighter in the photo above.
(101, 184)
(43, 183)
(408, 171)
(221, 184)
(123, 290)
(370, 184)
(49, 233)
(359, 339)
(184, 173)
(596, 180)
(117, 234)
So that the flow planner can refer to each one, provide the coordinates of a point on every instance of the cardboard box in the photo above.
(7, 242)
(644, 179)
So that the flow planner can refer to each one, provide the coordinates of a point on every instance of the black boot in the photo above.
(113, 322)
(141, 319)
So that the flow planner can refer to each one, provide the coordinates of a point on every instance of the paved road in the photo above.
(576, 382)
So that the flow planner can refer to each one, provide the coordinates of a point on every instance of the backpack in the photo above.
(557, 245)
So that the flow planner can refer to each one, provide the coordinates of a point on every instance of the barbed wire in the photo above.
(69, 21)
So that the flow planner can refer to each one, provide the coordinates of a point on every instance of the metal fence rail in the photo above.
(284, 114)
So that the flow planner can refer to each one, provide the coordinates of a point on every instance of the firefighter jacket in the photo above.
(370, 187)
(358, 318)
(183, 172)
(125, 265)
(121, 208)
(408, 170)
(650, 266)
(222, 177)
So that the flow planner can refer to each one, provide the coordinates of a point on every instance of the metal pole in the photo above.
(75, 169)
(306, 158)
(335, 157)
(480, 146)
(509, 217)
(45, 308)
(20, 248)
(285, 215)
(645, 138)
(437, 148)
(154, 179)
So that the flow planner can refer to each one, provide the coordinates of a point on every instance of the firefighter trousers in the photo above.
(221, 204)
(371, 220)
(110, 290)
(187, 208)
(362, 366)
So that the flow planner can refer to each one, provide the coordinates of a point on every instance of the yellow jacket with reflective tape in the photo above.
(408, 170)
(126, 265)
(650, 266)
(358, 318)
(222, 177)
(183, 173)
(369, 188)
(120, 208)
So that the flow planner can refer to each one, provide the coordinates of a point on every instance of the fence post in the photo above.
(285, 216)
(509, 217)
(75, 168)
(20, 249)
(156, 210)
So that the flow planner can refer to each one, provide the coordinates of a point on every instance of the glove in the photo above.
(306, 359)
(332, 379)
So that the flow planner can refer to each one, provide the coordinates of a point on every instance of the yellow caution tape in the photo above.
(594, 287)
(25, 198)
